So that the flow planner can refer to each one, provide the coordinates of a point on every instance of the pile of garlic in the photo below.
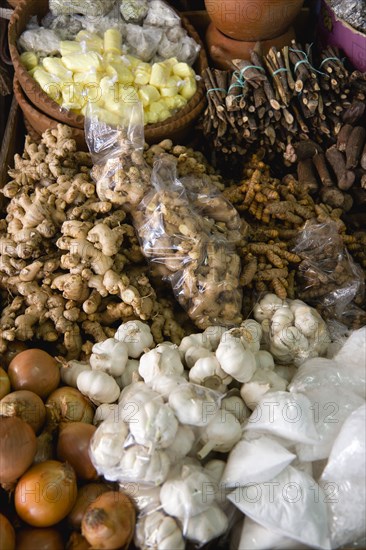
(163, 410)
(94, 70)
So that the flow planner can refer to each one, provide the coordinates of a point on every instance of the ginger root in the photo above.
(59, 240)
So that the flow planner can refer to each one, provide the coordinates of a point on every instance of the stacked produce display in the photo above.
(183, 326)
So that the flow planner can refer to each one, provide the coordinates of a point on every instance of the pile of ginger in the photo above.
(70, 264)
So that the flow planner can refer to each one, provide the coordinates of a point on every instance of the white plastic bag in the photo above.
(331, 405)
(255, 461)
(352, 357)
(292, 504)
(161, 15)
(320, 372)
(286, 415)
(143, 41)
(256, 537)
(347, 458)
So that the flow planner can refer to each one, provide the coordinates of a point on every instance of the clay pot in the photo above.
(252, 20)
(223, 49)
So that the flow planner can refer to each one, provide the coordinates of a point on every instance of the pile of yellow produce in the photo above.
(93, 70)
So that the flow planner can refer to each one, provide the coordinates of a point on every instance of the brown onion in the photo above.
(109, 522)
(17, 448)
(86, 496)
(46, 493)
(70, 405)
(39, 539)
(4, 383)
(7, 534)
(34, 370)
(77, 542)
(25, 405)
(73, 447)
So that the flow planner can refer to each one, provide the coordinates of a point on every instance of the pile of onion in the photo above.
(17, 449)
(73, 447)
(26, 405)
(36, 371)
(46, 493)
(7, 534)
(109, 522)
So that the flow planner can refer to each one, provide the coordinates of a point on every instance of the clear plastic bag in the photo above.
(202, 267)
(161, 15)
(176, 43)
(134, 11)
(223, 217)
(143, 41)
(40, 40)
(328, 275)
(85, 7)
(176, 496)
(120, 172)
(66, 26)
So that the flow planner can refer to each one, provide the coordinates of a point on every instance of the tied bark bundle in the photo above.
(270, 101)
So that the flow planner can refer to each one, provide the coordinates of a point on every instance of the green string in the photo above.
(237, 84)
(242, 71)
(281, 70)
(305, 60)
(328, 59)
(216, 90)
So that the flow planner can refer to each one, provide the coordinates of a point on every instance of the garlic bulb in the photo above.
(213, 335)
(263, 381)
(221, 434)
(154, 425)
(194, 353)
(140, 465)
(194, 340)
(162, 360)
(193, 405)
(106, 447)
(104, 411)
(136, 335)
(182, 444)
(164, 385)
(208, 367)
(250, 335)
(146, 498)
(292, 331)
(98, 386)
(130, 374)
(69, 374)
(234, 359)
(109, 356)
(157, 531)
(186, 495)
(281, 319)
(207, 525)
(264, 360)
(267, 306)
(236, 406)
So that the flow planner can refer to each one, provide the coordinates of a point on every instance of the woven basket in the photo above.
(38, 122)
(178, 123)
